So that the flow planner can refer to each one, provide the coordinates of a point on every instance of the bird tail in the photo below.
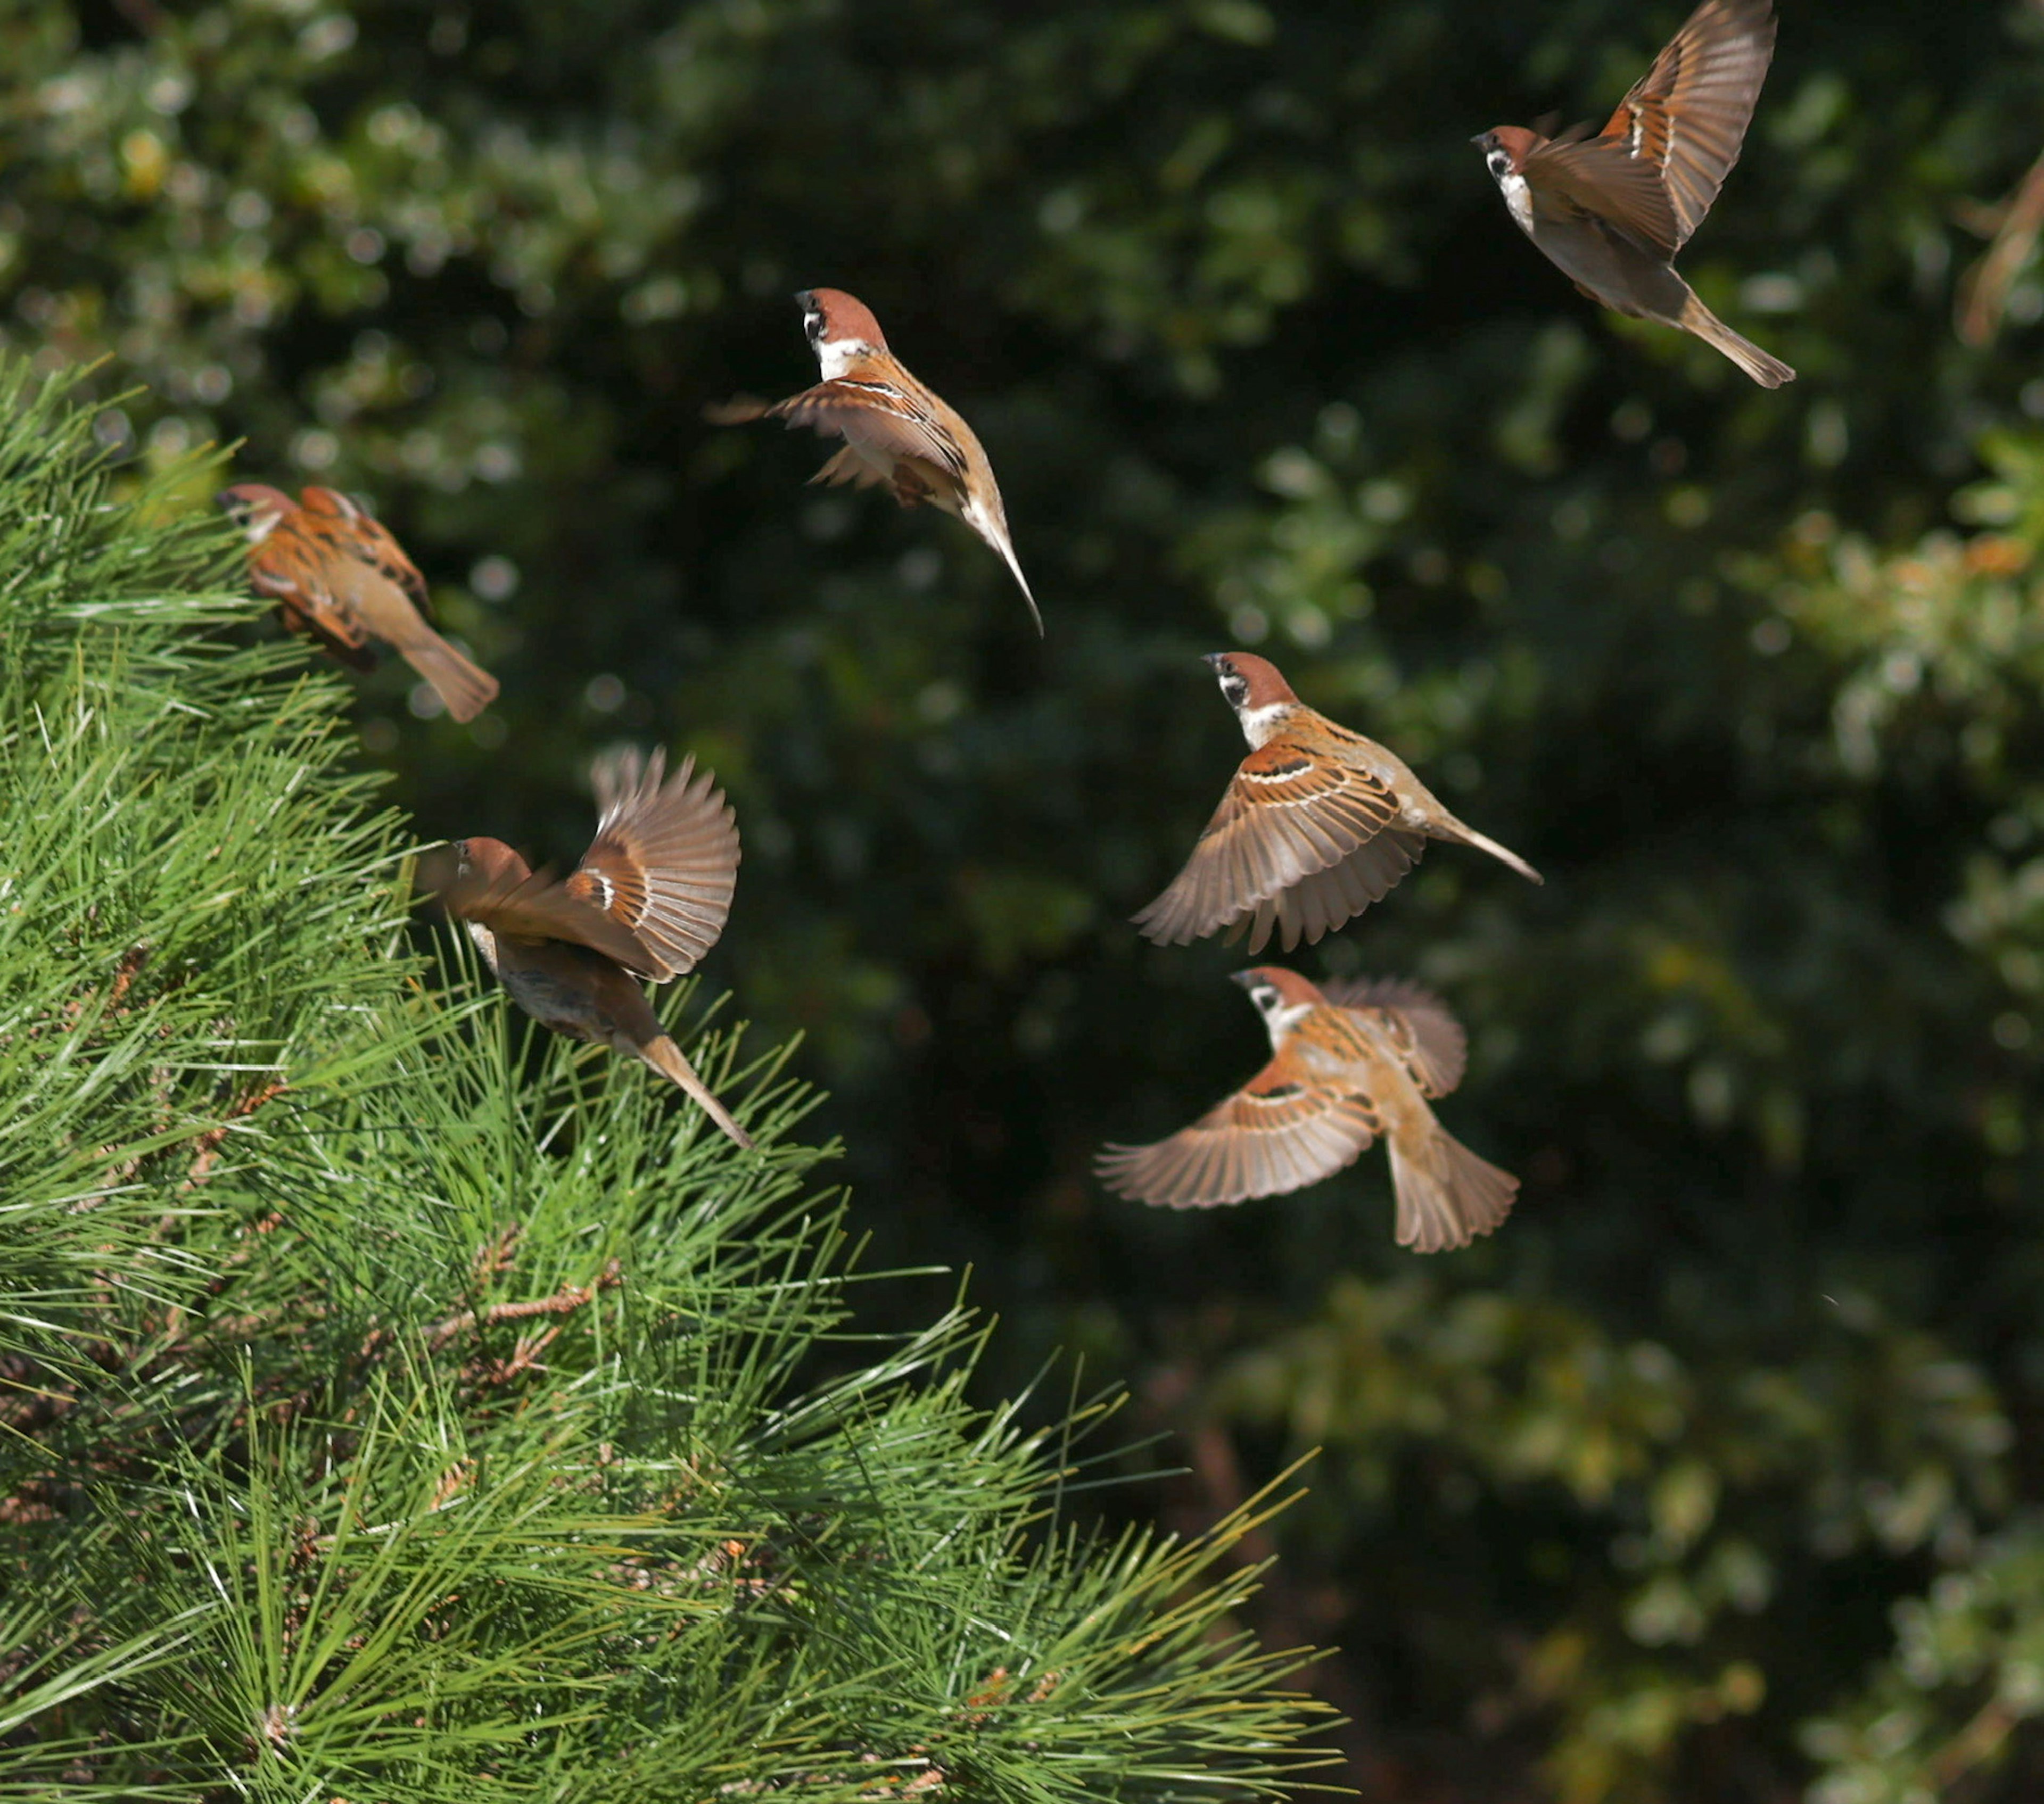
(1505, 855)
(1770, 372)
(666, 1057)
(994, 529)
(465, 686)
(1446, 1195)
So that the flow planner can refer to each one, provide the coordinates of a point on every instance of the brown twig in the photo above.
(563, 1302)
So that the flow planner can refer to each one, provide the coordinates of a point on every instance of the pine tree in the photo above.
(401, 1405)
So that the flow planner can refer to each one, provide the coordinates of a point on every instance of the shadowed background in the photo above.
(1712, 1476)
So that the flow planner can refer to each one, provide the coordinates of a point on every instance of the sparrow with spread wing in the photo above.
(336, 574)
(1318, 823)
(648, 899)
(1346, 1066)
(1611, 211)
(897, 433)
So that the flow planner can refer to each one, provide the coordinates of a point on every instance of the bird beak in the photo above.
(1212, 659)
(1479, 138)
(1248, 980)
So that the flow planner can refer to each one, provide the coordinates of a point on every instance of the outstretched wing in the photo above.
(1416, 1025)
(664, 862)
(1288, 815)
(1681, 126)
(534, 905)
(1281, 1131)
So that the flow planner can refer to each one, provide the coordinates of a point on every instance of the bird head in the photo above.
(839, 328)
(255, 507)
(1254, 689)
(1283, 998)
(1506, 148)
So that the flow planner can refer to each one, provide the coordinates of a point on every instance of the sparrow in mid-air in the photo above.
(1318, 823)
(897, 433)
(1346, 1065)
(648, 899)
(1611, 211)
(335, 573)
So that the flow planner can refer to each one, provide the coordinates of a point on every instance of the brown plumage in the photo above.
(898, 433)
(336, 574)
(1317, 824)
(648, 899)
(1613, 209)
(1346, 1067)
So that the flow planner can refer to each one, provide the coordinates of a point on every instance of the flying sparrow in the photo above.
(1318, 823)
(648, 899)
(1612, 211)
(335, 573)
(1345, 1066)
(897, 432)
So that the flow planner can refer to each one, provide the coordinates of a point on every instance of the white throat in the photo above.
(1282, 1021)
(835, 356)
(1260, 725)
(260, 526)
(1518, 196)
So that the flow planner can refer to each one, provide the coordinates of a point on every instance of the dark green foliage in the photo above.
(391, 1409)
(1713, 1477)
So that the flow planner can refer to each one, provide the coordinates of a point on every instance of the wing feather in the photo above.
(1281, 1131)
(664, 862)
(1417, 1024)
(1287, 816)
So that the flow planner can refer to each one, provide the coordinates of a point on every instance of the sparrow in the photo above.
(1611, 211)
(647, 900)
(897, 432)
(1346, 1065)
(335, 573)
(1318, 823)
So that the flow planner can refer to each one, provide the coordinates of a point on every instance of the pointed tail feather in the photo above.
(994, 529)
(666, 1058)
(1770, 372)
(1446, 1195)
(466, 687)
(1505, 855)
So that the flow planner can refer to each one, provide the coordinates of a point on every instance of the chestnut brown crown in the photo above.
(1249, 682)
(832, 316)
(1293, 991)
(1515, 141)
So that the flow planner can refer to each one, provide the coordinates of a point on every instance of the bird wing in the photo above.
(1288, 813)
(291, 566)
(356, 534)
(907, 422)
(664, 862)
(1600, 179)
(532, 905)
(1416, 1025)
(1685, 119)
(1281, 1131)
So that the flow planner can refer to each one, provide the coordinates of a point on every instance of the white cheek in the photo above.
(1259, 723)
(1282, 1021)
(262, 526)
(1518, 196)
(835, 356)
